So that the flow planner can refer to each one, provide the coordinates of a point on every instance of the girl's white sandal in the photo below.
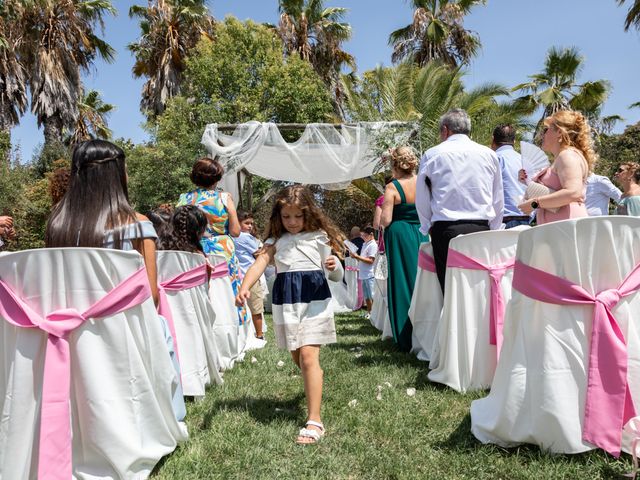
(311, 433)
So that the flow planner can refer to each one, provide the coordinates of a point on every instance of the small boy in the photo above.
(246, 247)
(365, 266)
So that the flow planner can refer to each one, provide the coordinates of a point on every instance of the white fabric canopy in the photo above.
(323, 154)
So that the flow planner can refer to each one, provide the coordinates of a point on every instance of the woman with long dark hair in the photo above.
(95, 211)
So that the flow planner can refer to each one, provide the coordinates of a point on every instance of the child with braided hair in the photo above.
(186, 228)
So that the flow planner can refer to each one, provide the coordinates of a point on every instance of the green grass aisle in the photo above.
(246, 428)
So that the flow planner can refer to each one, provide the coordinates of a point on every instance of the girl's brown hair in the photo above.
(302, 198)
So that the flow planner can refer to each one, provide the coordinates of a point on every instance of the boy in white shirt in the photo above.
(365, 266)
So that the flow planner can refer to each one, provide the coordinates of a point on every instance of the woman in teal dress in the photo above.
(402, 239)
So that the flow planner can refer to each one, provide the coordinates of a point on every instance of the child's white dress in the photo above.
(301, 297)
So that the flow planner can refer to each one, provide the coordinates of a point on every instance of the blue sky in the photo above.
(515, 36)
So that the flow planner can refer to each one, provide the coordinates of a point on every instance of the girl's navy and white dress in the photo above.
(301, 297)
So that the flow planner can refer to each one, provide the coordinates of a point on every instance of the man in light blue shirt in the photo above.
(599, 191)
(510, 164)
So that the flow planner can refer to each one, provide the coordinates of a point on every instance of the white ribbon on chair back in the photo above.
(112, 357)
(426, 304)
(542, 382)
(183, 279)
(465, 354)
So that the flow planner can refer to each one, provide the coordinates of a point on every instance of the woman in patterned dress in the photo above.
(222, 219)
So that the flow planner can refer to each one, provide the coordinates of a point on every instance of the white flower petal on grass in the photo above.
(379, 394)
(387, 384)
(411, 392)
(254, 360)
(280, 364)
(353, 403)
(358, 355)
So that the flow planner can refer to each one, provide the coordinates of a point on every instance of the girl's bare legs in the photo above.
(257, 323)
(295, 356)
(312, 374)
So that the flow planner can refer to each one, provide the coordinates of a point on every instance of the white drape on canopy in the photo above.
(323, 155)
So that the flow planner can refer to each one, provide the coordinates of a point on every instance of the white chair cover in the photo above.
(194, 317)
(425, 309)
(538, 393)
(226, 330)
(351, 279)
(463, 358)
(122, 378)
(339, 296)
(380, 309)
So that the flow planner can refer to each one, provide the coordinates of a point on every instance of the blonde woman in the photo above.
(402, 240)
(567, 136)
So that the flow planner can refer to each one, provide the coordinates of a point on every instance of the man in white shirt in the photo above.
(599, 191)
(365, 266)
(504, 137)
(459, 188)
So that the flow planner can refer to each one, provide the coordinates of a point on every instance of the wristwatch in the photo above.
(535, 204)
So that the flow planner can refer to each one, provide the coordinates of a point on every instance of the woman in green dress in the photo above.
(402, 240)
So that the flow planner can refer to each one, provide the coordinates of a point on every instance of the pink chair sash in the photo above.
(608, 405)
(183, 281)
(426, 262)
(351, 269)
(456, 259)
(54, 461)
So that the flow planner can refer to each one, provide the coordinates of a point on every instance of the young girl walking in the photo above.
(300, 239)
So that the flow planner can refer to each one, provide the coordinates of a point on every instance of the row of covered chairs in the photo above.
(87, 384)
(548, 318)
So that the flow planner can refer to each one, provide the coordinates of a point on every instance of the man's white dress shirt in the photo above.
(599, 191)
(466, 184)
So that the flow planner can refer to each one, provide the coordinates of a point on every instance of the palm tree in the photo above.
(13, 78)
(633, 15)
(423, 94)
(61, 43)
(92, 119)
(170, 28)
(317, 34)
(557, 88)
(437, 33)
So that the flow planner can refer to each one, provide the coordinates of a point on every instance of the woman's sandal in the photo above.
(312, 434)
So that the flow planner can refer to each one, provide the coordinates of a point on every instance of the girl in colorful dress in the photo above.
(300, 239)
(222, 220)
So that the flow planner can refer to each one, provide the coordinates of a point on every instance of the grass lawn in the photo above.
(246, 428)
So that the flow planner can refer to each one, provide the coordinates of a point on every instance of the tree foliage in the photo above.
(437, 33)
(169, 30)
(240, 76)
(616, 149)
(316, 34)
(410, 93)
(556, 87)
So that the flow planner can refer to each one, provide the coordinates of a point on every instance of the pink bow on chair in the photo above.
(608, 405)
(456, 259)
(183, 281)
(426, 262)
(55, 457)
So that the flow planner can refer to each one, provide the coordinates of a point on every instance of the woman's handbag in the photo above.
(535, 190)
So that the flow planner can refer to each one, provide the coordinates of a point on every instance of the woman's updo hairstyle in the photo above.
(574, 131)
(404, 159)
(206, 172)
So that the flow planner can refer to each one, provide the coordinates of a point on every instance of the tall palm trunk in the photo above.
(53, 126)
